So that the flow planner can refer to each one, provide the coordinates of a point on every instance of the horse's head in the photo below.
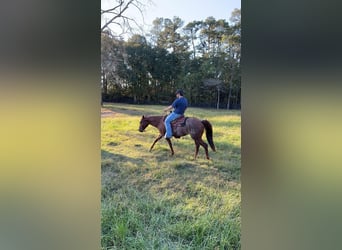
(143, 123)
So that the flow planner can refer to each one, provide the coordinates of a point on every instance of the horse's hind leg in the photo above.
(170, 144)
(205, 146)
(196, 148)
(155, 141)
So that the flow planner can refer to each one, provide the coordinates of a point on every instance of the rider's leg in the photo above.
(167, 123)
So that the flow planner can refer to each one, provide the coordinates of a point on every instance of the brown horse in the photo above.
(193, 126)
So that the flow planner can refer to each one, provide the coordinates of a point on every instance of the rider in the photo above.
(179, 105)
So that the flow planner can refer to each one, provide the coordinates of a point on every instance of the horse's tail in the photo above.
(209, 133)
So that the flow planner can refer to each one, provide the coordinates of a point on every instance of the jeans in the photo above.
(168, 121)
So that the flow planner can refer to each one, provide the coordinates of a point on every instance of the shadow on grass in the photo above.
(168, 198)
(117, 166)
(227, 147)
(174, 202)
(118, 160)
(228, 160)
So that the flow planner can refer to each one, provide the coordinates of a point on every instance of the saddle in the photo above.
(179, 122)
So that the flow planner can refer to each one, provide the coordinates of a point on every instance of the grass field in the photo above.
(151, 200)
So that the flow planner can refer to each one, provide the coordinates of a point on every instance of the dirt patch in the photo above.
(107, 113)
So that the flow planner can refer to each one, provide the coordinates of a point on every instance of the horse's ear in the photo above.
(143, 117)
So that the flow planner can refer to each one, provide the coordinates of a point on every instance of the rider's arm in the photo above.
(168, 108)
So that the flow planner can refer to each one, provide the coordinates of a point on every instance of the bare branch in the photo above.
(110, 10)
(115, 15)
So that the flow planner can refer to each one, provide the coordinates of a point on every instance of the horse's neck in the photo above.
(155, 120)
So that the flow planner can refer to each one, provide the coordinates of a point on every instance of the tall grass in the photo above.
(151, 200)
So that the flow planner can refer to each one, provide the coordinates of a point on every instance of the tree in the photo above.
(191, 34)
(165, 33)
(233, 49)
(211, 34)
(137, 67)
(111, 58)
(111, 49)
(150, 68)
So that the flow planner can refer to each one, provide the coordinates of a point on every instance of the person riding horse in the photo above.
(179, 106)
(193, 126)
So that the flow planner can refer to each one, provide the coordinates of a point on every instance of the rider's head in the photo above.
(180, 92)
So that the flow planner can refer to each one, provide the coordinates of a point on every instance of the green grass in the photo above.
(151, 200)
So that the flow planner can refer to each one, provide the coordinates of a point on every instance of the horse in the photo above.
(193, 126)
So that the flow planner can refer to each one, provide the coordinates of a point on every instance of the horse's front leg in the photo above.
(155, 141)
(170, 144)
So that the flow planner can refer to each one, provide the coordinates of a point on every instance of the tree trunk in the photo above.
(104, 83)
(193, 45)
(229, 94)
(218, 98)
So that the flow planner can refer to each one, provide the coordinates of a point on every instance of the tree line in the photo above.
(201, 57)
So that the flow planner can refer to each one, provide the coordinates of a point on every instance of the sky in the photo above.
(187, 10)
